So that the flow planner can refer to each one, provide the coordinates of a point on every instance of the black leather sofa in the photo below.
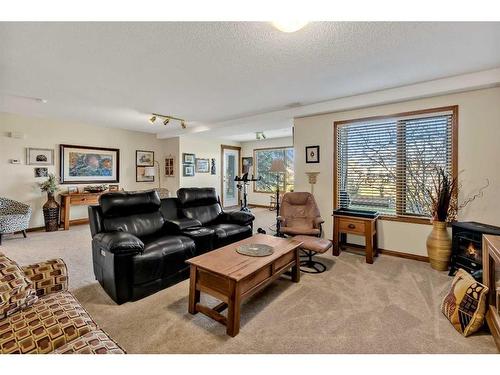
(140, 243)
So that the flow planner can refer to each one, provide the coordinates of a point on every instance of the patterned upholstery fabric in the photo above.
(465, 304)
(14, 216)
(95, 342)
(55, 322)
(49, 277)
(16, 290)
(50, 323)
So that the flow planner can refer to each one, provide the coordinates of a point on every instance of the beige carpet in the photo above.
(391, 306)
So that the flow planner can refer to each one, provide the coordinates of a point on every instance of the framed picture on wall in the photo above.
(144, 158)
(188, 170)
(202, 165)
(312, 154)
(143, 174)
(246, 164)
(188, 158)
(39, 156)
(89, 165)
(41, 172)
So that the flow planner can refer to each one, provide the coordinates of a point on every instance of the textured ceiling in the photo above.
(114, 74)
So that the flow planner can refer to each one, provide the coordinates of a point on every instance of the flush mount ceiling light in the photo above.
(260, 135)
(166, 119)
(289, 26)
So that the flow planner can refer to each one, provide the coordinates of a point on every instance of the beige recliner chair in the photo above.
(300, 217)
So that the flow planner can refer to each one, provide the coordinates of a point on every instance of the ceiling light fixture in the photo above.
(289, 26)
(260, 135)
(166, 119)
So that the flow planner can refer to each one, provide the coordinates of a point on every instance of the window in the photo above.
(387, 164)
(263, 160)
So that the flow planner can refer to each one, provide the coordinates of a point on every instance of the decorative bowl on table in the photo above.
(255, 250)
(95, 188)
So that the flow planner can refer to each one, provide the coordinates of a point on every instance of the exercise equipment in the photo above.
(242, 185)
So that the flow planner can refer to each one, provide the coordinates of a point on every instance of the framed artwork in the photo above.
(246, 164)
(202, 165)
(39, 156)
(312, 154)
(89, 165)
(41, 172)
(188, 170)
(72, 189)
(188, 158)
(144, 158)
(114, 187)
(169, 166)
(142, 176)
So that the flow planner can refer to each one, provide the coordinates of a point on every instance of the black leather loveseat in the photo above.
(140, 243)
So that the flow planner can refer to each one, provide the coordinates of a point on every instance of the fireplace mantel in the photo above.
(491, 278)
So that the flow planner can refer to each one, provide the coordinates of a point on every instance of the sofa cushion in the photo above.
(16, 289)
(127, 203)
(465, 304)
(94, 342)
(163, 256)
(48, 324)
(226, 231)
(199, 203)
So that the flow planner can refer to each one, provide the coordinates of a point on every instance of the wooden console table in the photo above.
(360, 226)
(76, 199)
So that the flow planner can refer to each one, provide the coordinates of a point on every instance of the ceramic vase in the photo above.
(439, 246)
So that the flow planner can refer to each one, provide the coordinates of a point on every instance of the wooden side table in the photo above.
(76, 199)
(356, 225)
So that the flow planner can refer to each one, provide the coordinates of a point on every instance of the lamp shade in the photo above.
(149, 171)
(278, 166)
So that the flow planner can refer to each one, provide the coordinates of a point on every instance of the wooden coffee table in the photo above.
(231, 277)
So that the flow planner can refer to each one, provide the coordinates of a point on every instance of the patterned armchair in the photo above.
(14, 216)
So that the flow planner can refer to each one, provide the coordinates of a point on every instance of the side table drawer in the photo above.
(351, 226)
(83, 200)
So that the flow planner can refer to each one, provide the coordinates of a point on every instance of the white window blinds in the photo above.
(388, 165)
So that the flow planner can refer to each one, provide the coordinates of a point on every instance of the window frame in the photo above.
(255, 150)
(454, 155)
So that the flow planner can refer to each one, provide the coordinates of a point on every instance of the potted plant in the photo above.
(51, 207)
(444, 208)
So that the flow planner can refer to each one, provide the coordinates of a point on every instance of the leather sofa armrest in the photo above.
(182, 224)
(122, 243)
(238, 217)
(48, 277)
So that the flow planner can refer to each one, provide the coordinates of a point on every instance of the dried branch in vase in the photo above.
(443, 197)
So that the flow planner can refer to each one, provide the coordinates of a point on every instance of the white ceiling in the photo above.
(217, 75)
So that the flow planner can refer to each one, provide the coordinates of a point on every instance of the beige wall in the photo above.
(247, 149)
(478, 158)
(18, 182)
(204, 148)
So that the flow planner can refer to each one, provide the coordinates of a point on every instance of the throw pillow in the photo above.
(465, 304)
(16, 290)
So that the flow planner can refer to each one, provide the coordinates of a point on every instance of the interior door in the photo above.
(230, 169)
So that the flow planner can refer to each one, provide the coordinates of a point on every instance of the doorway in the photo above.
(230, 168)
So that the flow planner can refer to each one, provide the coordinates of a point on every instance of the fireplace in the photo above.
(466, 248)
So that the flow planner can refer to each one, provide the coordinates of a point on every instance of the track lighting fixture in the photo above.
(166, 119)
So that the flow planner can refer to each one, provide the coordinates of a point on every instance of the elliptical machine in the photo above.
(242, 185)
